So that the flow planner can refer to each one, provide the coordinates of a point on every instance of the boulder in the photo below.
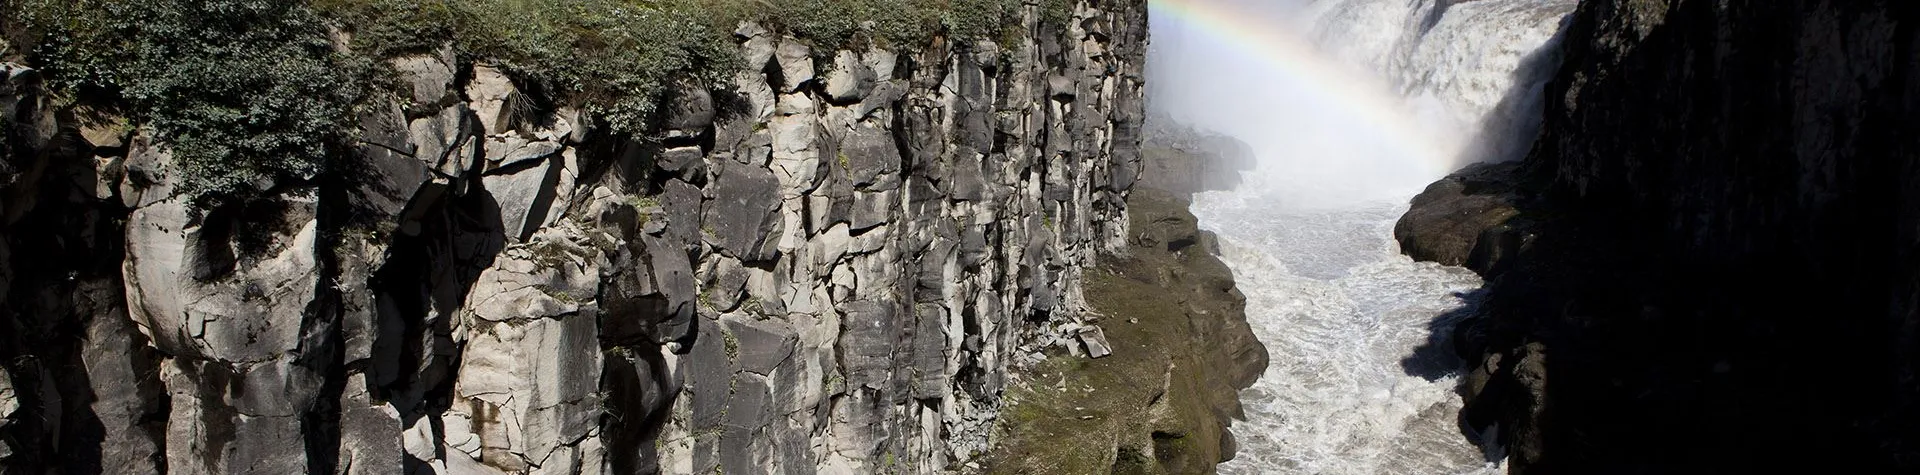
(493, 98)
(429, 77)
(850, 79)
(1446, 222)
(796, 64)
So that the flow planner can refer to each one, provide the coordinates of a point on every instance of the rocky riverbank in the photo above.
(1705, 265)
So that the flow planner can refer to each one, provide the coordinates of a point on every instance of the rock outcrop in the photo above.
(1181, 351)
(831, 265)
(1706, 263)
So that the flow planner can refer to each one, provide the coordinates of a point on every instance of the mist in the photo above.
(1314, 150)
(1387, 96)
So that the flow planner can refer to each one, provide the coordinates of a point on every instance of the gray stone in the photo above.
(681, 159)
(548, 277)
(872, 209)
(796, 64)
(871, 158)
(850, 79)
(884, 96)
(492, 96)
(680, 204)
(392, 174)
(871, 240)
(673, 274)
(1095, 341)
(369, 433)
(509, 151)
(430, 77)
(149, 168)
(528, 386)
(728, 282)
(758, 49)
(710, 377)
(523, 196)
(444, 142)
(9, 403)
(968, 182)
(690, 112)
(974, 249)
(747, 418)
(741, 214)
(929, 361)
(122, 373)
(780, 313)
(867, 343)
(763, 344)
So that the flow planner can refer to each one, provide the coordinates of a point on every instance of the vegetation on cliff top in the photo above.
(254, 92)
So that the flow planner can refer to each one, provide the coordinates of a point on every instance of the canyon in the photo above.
(835, 262)
(974, 236)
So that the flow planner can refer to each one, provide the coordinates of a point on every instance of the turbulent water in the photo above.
(1342, 314)
(1362, 381)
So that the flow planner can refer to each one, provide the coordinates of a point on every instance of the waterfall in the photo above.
(1362, 379)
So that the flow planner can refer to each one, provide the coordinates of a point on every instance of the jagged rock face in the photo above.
(1710, 265)
(830, 268)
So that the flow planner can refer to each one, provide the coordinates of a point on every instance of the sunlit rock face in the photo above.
(1710, 262)
(828, 265)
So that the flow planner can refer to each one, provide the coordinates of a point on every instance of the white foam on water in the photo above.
(1359, 383)
(1341, 312)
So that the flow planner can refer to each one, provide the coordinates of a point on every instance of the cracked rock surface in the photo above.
(828, 265)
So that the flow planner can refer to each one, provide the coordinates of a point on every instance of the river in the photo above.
(1362, 380)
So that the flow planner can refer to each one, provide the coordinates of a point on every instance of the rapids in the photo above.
(1361, 380)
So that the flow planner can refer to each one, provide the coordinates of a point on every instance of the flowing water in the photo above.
(1358, 383)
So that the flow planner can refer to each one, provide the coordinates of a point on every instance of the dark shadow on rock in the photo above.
(1439, 357)
(419, 290)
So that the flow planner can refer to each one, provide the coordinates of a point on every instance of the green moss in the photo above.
(1131, 460)
(833, 383)
(706, 298)
(554, 255)
(560, 295)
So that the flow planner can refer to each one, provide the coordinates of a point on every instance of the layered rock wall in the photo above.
(829, 265)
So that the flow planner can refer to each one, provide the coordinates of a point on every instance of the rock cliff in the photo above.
(1706, 264)
(831, 265)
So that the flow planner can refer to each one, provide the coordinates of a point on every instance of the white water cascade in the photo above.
(1355, 385)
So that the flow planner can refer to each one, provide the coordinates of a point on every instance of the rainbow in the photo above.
(1355, 92)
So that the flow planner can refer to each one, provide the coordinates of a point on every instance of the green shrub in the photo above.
(245, 91)
(253, 91)
(612, 58)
